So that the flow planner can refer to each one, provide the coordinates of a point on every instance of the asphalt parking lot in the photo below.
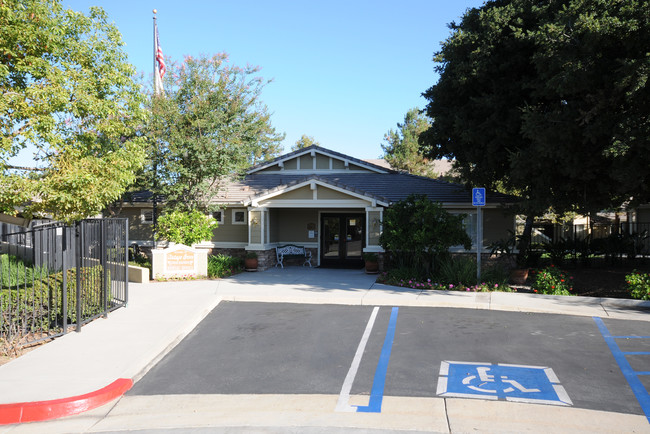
(259, 348)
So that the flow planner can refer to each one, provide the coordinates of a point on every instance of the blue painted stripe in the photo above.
(379, 382)
(631, 337)
(636, 353)
(632, 378)
(642, 372)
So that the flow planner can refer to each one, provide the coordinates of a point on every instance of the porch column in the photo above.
(374, 217)
(257, 228)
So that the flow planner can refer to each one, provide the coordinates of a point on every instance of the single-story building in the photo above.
(328, 202)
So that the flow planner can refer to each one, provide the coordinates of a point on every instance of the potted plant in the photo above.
(250, 261)
(372, 263)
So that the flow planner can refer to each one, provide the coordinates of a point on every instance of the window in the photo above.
(239, 217)
(218, 216)
(470, 221)
(469, 224)
(146, 216)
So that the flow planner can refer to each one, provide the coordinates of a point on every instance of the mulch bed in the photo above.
(601, 281)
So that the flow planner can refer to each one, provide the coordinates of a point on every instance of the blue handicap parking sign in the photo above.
(533, 384)
(478, 196)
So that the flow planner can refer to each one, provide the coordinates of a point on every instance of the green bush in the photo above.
(13, 272)
(457, 270)
(30, 296)
(552, 281)
(224, 266)
(638, 284)
(496, 274)
(185, 227)
(418, 232)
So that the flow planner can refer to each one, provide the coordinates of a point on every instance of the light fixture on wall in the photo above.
(255, 221)
(375, 223)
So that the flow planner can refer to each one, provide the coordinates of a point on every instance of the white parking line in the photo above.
(344, 397)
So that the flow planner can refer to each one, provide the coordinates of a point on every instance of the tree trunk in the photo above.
(524, 242)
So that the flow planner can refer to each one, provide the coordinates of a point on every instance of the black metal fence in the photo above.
(54, 276)
(625, 240)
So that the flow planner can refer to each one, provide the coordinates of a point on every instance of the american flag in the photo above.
(160, 69)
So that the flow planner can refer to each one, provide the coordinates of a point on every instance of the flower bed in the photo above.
(428, 284)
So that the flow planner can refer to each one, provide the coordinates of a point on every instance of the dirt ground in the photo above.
(600, 281)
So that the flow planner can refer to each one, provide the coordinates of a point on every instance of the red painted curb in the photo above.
(45, 410)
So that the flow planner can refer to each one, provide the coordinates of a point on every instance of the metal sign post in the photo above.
(478, 200)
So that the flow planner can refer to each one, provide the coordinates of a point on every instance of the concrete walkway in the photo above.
(74, 368)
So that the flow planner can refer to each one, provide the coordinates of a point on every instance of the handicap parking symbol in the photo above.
(516, 383)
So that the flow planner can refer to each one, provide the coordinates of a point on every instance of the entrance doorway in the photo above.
(342, 240)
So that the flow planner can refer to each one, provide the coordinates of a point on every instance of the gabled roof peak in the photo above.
(313, 150)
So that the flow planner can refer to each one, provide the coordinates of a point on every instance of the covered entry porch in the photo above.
(335, 224)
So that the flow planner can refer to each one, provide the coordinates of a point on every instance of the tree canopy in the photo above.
(304, 141)
(401, 149)
(209, 125)
(68, 97)
(550, 99)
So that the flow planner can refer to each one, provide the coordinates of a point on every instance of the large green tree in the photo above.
(549, 99)
(401, 149)
(69, 98)
(209, 125)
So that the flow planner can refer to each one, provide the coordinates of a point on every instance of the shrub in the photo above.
(223, 266)
(37, 302)
(496, 274)
(638, 284)
(457, 270)
(185, 227)
(370, 257)
(552, 281)
(418, 232)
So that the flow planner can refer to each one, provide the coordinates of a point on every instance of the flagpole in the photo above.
(155, 161)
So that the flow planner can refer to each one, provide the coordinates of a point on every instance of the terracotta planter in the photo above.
(518, 276)
(372, 267)
(250, 264)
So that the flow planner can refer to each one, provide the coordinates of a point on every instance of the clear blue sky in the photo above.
(344, 72)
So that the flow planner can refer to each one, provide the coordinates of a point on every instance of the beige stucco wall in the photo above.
(291, 225)
(274, 168)
(299, 193)
(338, 164)
(137, 230)
(306, 162)
(322, 162)
(291, 164)
(327, 193)
(229, 232)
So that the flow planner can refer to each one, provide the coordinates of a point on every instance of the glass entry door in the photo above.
(342, 240)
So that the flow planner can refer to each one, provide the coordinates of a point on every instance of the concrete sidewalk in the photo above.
(159, 315)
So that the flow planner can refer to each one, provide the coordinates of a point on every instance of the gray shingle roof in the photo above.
(386, 187)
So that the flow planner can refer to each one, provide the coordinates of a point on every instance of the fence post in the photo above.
(79, 264)
(64, 294)
(126, 262)
(104, 262)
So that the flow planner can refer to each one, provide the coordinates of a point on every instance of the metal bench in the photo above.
(292, 251)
